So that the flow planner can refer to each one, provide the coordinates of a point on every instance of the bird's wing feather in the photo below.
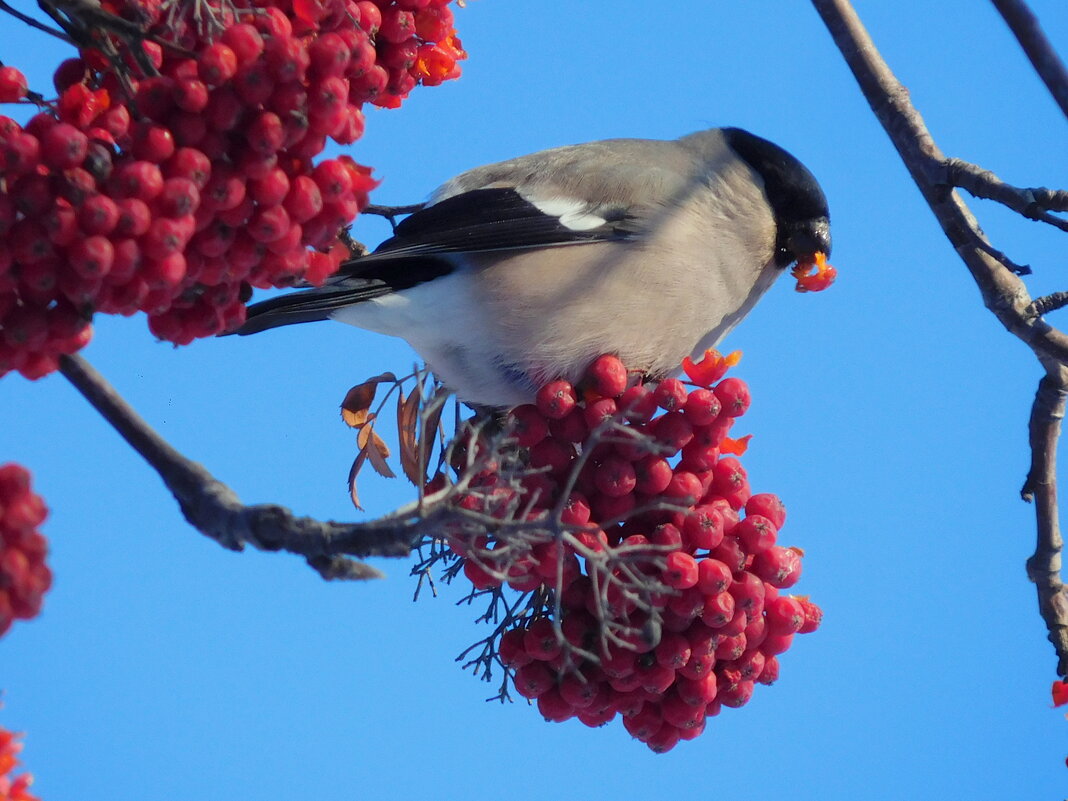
(573, 195)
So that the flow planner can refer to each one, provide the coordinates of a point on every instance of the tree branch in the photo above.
(215, 510)
(1002, 290)
(1044, 567)
(1024, 26)
(1034, 204)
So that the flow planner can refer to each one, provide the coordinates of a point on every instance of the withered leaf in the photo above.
(356, 407)
(377, 452)
(354, 471)
(408, 437)
(433, 417)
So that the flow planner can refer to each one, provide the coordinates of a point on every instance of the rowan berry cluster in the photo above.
(177, 179)
(659, 571)
(13, 788)
(24, 576)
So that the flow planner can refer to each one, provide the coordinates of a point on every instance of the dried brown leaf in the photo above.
(377, 452)
(408, 438)
(356, 407)
(354, 471)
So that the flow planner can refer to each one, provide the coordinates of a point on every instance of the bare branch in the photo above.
(1024, 25)
(1003, 292)
(391, 213)
(1031, 203)
(1044, 567)
(1048, 303)
(34, 23)
(215, 510)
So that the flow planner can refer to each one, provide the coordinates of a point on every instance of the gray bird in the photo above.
(523, 271)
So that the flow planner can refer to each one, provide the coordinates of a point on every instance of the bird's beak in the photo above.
(808, 281)
(811, 238)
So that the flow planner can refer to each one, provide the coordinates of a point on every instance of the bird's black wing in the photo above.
(481, 220)
(423, 245)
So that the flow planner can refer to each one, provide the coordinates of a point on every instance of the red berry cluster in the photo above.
(13, 788)
(24, 576)
(176, 192)
(666, 566)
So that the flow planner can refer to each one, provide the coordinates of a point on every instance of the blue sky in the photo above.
(889, 413)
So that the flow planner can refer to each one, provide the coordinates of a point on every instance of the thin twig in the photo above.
(1024, 25)
(215, 510)
(1031, 203)
(391, 213)
(1044, 567)
(34, 23)
(1048, 303)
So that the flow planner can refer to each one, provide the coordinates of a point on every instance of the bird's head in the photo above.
(803, 223)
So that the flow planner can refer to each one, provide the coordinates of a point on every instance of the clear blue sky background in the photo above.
(890, 414)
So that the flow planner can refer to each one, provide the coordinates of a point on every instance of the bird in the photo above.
(524, 271)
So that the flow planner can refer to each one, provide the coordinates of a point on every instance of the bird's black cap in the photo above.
(795, 196)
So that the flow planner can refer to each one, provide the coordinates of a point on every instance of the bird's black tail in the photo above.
(309, 305)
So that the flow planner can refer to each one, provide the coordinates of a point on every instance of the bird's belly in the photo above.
(445, 325)
(496, 339)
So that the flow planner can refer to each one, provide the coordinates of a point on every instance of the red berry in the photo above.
(698, 691)
(370, 16)
(541, 641)
(533, 680)
(152, 142)
(684, 486)
(670, 394)
(615, 477)
(653, 474)
(511, 649)
(179, 197)
(756, 533)
(813, 616)
(64, 146)
(139, 179)
(701, 407)
(91, 257)
(217, 64)
(703, 528)
(98, 215)
(638, 403)
(571, 427)
(729, 476)
(680, 571)
(718, 610)
(673, 651)
(780, 567)
(713, 577)
(607, 376)
(191, 95)
(748, 592)
(12, 85)
(733, 394)
(134, 217)
(775, 644)
(680, 713)
(767, 505)
(770, 673)
(673, 431)
(397, 25)
(556, 399)
(664, 740)
(784, 615)
(245, 42)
